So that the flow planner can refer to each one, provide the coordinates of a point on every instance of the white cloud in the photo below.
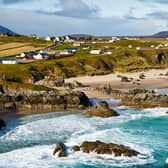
(30, 22)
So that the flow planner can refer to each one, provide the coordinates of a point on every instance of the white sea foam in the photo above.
(166, 161)
(48, 128)
(41, 156)
(74, 129)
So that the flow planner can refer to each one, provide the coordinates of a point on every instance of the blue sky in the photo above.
(97, 17)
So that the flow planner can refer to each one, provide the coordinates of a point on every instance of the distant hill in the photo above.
(80, 35)
(163, 34)
(5, 30)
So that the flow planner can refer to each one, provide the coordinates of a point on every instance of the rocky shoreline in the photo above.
(141, 98)
(41, 101)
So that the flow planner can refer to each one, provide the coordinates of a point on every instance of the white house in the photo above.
(67, 38)
(93, 42)
(111, 41)
(108, 52)
(40, 56)
(47, 38)
(76, 44)
(138, 48)
(27, 54)
(65, 52)
(57, 39)
(10, 61)
(96, 52)
(86, 48)
(129, 46)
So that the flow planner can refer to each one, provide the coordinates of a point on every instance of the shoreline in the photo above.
(153, 80)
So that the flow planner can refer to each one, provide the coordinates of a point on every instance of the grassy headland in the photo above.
(122, 59)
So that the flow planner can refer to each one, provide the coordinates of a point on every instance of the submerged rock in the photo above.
(60, 150)
(101, 110)
(105, 148)
(2, 124)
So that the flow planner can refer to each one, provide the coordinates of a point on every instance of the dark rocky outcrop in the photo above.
(60, 150)
(101, 110)
(137, 97)
(2, 124)
(105, 148)
(97, 147)
(42, 101)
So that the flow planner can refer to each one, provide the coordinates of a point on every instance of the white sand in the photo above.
(153, 79)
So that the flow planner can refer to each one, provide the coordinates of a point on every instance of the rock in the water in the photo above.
(75, 148)
(101, 110)
(60, 150)
(106, 148)
(2, 124)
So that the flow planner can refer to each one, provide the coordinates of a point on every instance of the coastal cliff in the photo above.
(41, 101)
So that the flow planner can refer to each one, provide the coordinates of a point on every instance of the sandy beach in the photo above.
(155, 78)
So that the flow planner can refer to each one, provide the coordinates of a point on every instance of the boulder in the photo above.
(2, 124)
(75, 148)
(105, 148)
(141, 76)
(60, 150)
(101, 110)
(51, 80)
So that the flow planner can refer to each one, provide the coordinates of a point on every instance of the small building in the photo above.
(138, 48)
(129, 46)
(47, 38)
(9, 61)
(73, 50)
(57, 39)
(76, 44)
(65, 52)
(112, 41)
(93, 42)
(41, 56)
(86, 48)
(27, 55)
(96, 52)
(108, 53)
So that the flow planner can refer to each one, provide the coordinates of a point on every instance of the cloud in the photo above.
(18, 20)
(69, 8)
(161, 15)
(7, 2)
(77, 8)
(130, 15)
(155, 1)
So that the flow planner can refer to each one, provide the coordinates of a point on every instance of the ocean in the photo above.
(28, 142)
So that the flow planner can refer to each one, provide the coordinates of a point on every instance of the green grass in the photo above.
(25, 39)
(16, 86)
(84, 63)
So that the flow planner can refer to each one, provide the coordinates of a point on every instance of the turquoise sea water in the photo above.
(29, 142)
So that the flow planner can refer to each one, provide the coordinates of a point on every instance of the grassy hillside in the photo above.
(13, 45)
(82, 62)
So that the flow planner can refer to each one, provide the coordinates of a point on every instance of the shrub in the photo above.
(11, 78)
